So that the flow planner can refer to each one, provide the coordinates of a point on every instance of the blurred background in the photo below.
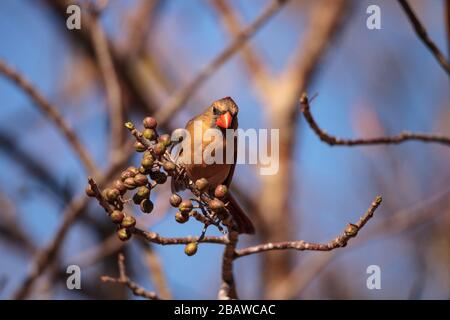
(369, 83)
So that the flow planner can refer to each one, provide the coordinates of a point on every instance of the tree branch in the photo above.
(396, 222)
(332, 140)
(136, 289)
(341, 241)
(423, 35)
(228, 286)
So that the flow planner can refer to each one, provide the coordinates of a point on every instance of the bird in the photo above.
(220, 115)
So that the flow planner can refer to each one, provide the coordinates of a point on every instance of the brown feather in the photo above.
(216, 173)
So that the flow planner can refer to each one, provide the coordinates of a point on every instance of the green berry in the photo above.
(159, 149)
(181, 217)
(119, 185)
(143, 192)
(125, 175)
(191, 248)
(160, 177)
(139, 147)
(201, 184)
(128, 222)
(133, 171)
(146, 206)
(169, 166)
(175, 200)
(149, 134)
(185, 206)
(147, 162)
(130, 183)
(124, 234)
(165, 140)
(221, 191)
(111, 194)
(117, 216)
(137, 198)
(140, 179)
(216, 204)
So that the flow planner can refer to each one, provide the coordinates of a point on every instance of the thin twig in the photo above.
(423, 35)
(341, 241)
(180, 97)
(332, 140)
(136, 289)
(51, 112)
(227, 289)
(156, 238)
(399, 221)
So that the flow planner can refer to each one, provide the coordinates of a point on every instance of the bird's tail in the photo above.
(243, 222)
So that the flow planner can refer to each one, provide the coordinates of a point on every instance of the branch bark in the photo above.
(335, 141)
(341, 241)
(136, 289)
(423, 36)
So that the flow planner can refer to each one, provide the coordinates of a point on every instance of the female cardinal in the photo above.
(221, 115)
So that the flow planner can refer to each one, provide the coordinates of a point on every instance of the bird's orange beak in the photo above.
(224, 120)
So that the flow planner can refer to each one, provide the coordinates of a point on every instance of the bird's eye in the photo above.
(215, 110)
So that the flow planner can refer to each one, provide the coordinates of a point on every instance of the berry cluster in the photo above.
(207, 205)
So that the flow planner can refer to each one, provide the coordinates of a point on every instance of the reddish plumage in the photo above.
(222, 114)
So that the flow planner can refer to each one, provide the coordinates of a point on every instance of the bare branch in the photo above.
(51, 112)
(397, 222)
(341, 241)
(228, 286)
(156, 238)
(332, 140)
(136, 289)
(423, 35)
